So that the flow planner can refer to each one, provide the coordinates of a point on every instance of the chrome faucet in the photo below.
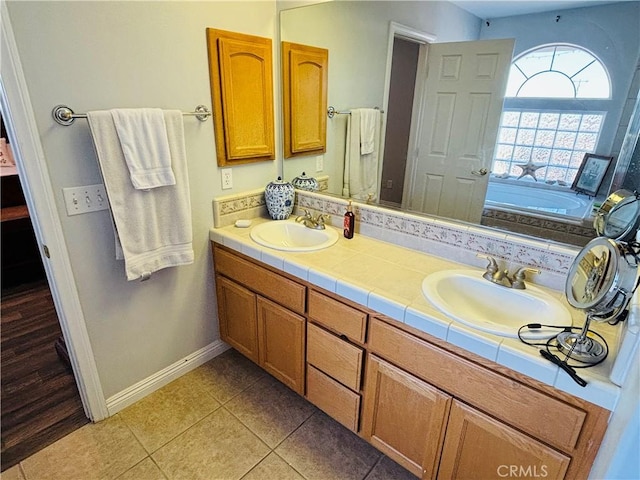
(519, 277)
(495, 275)
(308, 220)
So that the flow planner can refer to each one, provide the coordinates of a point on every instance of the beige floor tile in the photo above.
(145, 470)
(270, 410)
(322, 449)
(273, 468)
(227, 375)
(12, 473)
(168, 412)
(217, 448)
(387, 469)
(96, 451)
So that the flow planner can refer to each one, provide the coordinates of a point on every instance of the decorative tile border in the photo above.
(525, 224)
(250, 204)
(457, 242)
(422, 233)
(228, 209)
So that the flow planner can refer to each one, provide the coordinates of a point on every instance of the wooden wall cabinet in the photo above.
(304, 99)
(241, 77)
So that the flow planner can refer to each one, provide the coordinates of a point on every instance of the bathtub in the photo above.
(534, 200)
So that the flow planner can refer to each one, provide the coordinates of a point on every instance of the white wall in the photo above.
(100, 55)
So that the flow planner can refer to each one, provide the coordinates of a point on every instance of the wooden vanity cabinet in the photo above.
(479, 446)
(404, 417)
(335, 357)
(238, 318)
(465, 420)
(263, 330)
(438, 410)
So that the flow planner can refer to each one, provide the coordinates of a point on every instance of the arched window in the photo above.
(558, 71)
(549, 120)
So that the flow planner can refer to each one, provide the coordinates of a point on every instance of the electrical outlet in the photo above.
(88, 198)
(319, 163)
(227, 178)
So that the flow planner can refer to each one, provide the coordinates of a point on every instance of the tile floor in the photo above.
(225, 420)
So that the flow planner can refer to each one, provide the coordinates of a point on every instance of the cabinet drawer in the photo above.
(334, 399)
(269, 284)
(337, 316)
(516, 404)
(334, 356)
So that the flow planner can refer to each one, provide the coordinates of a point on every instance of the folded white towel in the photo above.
(369, 121)
(143, 137)
(154, 226)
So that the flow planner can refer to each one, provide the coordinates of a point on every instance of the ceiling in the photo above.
(507, 8)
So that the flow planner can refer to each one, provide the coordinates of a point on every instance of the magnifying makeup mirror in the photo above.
(619, 216)
(604, 275)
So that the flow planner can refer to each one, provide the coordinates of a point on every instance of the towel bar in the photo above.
(332, 111)
(65, 116)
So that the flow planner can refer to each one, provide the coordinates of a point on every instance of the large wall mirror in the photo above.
(507, 165)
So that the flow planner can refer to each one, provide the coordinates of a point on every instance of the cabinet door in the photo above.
(404, 417)
(281, 335)
(478, 446)
(237, 317)
(240, 67)
(304, 75)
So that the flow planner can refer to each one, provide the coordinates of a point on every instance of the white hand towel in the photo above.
(153, 227)
(360, 179)
(143, 137)
(369, 121)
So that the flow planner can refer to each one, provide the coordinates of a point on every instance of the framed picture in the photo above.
(591, 173)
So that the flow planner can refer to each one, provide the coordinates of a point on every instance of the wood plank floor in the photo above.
(39, 398)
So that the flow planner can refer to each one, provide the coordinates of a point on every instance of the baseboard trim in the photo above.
(130, 395)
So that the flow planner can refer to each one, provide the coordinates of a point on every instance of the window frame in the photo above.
(557, 105)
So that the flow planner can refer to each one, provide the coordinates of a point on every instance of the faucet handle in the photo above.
(492, 266)
(519, 277)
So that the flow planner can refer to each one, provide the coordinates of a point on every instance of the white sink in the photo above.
(290, 236)
(465, 296)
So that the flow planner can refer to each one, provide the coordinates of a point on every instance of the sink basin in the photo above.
(290, 236)
(465, 296)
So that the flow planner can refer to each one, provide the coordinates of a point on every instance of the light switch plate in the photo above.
(85, 199)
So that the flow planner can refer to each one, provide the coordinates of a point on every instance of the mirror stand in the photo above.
(581, 347)
(604, 276)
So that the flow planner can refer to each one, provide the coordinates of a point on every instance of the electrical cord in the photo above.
(547, 354)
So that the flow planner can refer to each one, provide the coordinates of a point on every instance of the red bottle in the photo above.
(349, 222)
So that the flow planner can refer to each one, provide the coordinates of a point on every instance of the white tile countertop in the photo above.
(387, 278)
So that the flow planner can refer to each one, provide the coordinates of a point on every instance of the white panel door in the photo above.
(463, 98)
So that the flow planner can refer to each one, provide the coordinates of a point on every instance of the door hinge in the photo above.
(45, 249)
